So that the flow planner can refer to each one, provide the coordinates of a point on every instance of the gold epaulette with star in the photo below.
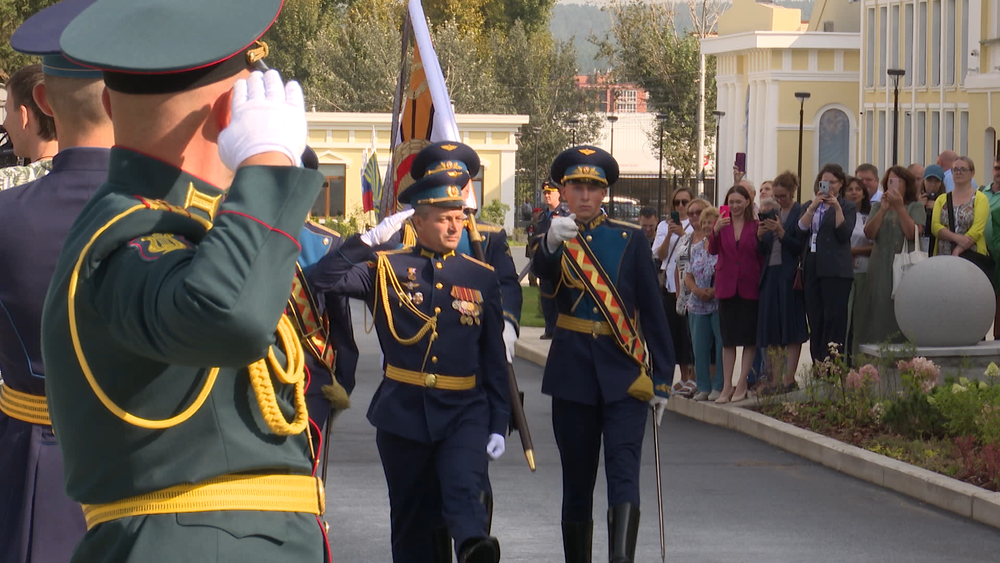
(473, 260)
(487, 228)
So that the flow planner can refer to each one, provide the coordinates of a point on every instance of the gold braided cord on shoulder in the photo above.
(385, 277)
(260, 377)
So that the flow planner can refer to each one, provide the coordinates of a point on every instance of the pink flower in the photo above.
(854, 380)
(869, 373)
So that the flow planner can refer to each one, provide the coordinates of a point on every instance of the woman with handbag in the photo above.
(666, 247)
(781, 321)
(960, 217)
(737, 276)
(861, 251)
(703, 310)
(895, 224)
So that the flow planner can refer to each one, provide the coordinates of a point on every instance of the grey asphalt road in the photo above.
(728, 498)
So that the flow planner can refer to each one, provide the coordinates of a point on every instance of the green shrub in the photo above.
(912, 415)
(493, 212)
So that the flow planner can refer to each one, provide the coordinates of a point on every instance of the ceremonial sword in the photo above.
(659, 486)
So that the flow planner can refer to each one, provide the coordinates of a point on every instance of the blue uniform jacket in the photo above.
(414, 412)
(496, 253)
(317, 241)
(589, 370)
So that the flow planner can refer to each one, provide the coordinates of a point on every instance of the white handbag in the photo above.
(905, 260)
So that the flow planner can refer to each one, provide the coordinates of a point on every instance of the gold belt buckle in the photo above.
(430, 380)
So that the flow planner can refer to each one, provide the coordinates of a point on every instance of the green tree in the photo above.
(12, 15)
(645, 48)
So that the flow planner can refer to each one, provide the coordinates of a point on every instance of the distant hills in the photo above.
(577, 22)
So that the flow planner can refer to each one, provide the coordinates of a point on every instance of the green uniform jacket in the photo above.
(155, 312)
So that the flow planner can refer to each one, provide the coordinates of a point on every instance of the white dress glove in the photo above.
(267, 115)
(560, 230)
(495, 447)
(509, 340)
(659, 405)
(382, 232)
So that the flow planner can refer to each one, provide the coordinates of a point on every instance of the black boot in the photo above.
(480, 550)
(441, 545)
(623, 528)
(487, 501)
(578, 541)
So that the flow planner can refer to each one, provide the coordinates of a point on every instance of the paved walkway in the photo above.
(729, 498)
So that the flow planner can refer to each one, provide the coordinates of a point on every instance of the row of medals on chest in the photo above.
(470, 311)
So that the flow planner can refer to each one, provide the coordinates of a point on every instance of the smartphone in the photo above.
(723, 211)
(765, 215)
(675, 216)
(824, 187)
(894, 183)
(741, 161)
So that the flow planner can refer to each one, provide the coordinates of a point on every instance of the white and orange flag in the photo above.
(427, 116)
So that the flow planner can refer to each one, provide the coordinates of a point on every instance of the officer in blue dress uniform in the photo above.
(553, 208)
(442, 408)
(610, 355)
(174, 376)
(38, 522)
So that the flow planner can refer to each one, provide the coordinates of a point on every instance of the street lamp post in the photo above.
(538, 196)
(802, 97)
(660, 118)
(611, 196)
(574, 123)
(718, 120)
(895, 73)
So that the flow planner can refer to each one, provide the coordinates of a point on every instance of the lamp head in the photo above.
(802, 96)
(612, 118)
(895, 72)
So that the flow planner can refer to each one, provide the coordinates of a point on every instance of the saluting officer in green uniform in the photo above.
(175, 382)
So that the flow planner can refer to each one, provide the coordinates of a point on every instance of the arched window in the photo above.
(833, 137)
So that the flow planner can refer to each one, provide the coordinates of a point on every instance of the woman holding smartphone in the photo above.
(827, 224)
(894, 223)
(737, 276)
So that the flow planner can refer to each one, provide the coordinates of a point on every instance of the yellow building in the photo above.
(950, 51)
(340, 140)
(765, 54)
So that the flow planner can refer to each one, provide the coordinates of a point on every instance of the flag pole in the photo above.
(387, 204)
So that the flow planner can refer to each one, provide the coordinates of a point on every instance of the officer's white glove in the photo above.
(267, 115)
(659, 405)
(509, 340)
(495, 447)
(560, 230)
(382, 232)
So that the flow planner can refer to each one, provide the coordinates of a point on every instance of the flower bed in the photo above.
(952, 428)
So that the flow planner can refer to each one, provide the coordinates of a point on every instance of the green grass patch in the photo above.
(531, 310)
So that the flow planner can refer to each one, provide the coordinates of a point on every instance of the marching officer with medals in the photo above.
(611, 354)
(39, 522)
(175, 382)
(442, 408)
(553, 208)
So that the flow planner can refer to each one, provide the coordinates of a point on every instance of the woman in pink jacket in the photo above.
(737, 276)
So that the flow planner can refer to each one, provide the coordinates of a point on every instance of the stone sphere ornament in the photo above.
(945, 301)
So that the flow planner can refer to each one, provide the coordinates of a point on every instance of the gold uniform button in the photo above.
(438, 265)
(439, 285)
(624, 235)
(437, 310)
(430, 380)
(596, 310)
(589, 238)
(434, 359)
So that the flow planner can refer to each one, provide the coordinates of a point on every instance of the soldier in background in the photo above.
(553, 208)
(31, 131)
(172, 371)
(612, 353)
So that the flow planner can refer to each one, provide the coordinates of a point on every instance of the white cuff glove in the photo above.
(560, 230)
(659, 405)
(509, 340)
(382, 232)
(266, 116)
(495, 447)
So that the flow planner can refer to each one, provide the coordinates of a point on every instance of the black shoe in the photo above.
(578, 541)
(440, 545)
(480, 550)
(546, 336)
(623, 529)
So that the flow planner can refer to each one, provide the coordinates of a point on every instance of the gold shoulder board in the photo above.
(473, 260)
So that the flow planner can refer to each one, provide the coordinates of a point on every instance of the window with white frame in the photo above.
(880, 162)
(963, 132)
(949, 130)
(935, 42)
(904, 144)
(950, 31)
(908, 44)
(894, 37)
(870, 50)
(627, 101)
(882, 43)
(869, 136)
(833, 138)
(964, 40)
(922, 44)
(920, 146)
(989, 148)
(935, 134)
